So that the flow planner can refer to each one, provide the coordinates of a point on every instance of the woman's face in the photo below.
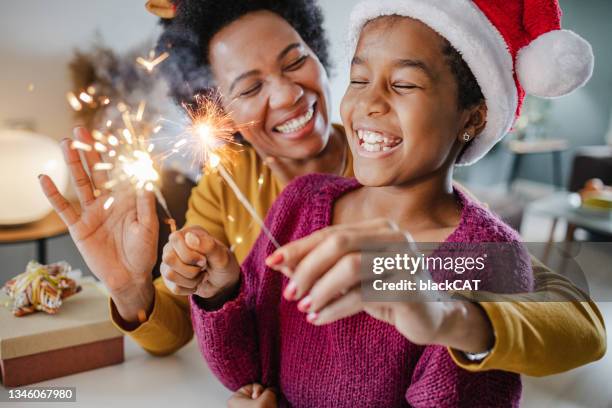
(400, 110)
(273, 86)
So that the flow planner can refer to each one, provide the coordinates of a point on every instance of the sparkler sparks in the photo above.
(74, 101)
(151, 63)
(131, 156)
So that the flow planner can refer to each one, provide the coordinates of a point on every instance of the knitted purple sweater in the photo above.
(358, 361)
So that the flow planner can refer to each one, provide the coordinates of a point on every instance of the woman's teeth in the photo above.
(376, 142)
(296, 124)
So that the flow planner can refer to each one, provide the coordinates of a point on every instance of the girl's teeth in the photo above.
(296, 124)
(375, 142)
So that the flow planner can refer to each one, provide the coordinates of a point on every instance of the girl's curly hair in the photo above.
(187, 36)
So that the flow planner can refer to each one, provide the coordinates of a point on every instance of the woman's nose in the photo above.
(284, 93)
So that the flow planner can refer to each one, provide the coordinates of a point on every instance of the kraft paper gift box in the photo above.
(78, 338)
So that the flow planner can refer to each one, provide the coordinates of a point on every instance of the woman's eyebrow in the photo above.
(247, 74)
(286, 50)
(241, 77)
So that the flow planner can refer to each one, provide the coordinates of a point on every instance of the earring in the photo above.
(466, 137)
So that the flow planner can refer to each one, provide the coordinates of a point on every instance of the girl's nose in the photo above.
(284, 93)
(373, 102)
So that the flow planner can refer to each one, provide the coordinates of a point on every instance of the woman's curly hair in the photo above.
(187, 36)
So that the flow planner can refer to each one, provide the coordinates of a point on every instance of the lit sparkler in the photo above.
(210, 131)
(150, 63)
(130, 156)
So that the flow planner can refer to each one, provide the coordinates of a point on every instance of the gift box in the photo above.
(40, 346)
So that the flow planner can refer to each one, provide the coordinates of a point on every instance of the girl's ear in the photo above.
(475, 123)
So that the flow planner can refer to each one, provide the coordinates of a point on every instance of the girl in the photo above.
(412, 111)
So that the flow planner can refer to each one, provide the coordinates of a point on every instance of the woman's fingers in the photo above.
(343, 276)
(80, 179)
(61, 206)
(145, 209)
(92, 157)
(345, 306)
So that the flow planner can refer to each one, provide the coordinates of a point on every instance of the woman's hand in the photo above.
(253, 396)
(119, 243)
(324, 273)
(194, 262)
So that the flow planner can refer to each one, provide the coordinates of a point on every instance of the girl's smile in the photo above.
(376, 144)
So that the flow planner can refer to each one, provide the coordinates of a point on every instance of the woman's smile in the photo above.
(298, 125)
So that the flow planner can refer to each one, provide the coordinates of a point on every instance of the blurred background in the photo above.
(547, 179)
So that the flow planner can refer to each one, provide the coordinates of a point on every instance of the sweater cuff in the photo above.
(154, 335)
(501, 347)
(232, 314)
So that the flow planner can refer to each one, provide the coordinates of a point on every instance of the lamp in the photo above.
(23, 156)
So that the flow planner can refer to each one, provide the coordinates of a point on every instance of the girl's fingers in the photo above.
(173, 276)
(290, 255)
(285, 258)
(172, 260)
(339, 243)
(345, 306)
(217, 255)
(92, 157)
(61, 206)
(185, 253)
(80, 179)
(176, 289)
(340, 279)
(258, 389)
(246, 390)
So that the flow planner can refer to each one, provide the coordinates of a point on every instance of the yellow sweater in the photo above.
(533, 338)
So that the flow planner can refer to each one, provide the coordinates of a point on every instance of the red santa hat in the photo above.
(513, 47)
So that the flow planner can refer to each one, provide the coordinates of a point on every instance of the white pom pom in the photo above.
(555, 64)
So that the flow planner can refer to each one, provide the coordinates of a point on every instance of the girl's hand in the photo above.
(253, 396)
(325, 276)
(118, 244)
(194, 262)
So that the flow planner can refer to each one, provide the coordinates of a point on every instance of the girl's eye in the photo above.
(358, 83)
(251, 91)
(297, 64)
(404, 86)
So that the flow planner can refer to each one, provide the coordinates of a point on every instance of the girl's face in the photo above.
(274, 87)
(400, 110)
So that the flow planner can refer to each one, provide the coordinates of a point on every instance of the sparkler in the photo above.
(208, 135)
(152, 62)
(130, 154)
(215, 162)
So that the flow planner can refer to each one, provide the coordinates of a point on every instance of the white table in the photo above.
(179, 380)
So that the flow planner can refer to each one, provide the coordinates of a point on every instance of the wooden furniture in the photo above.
(38, 232)
(520, 148)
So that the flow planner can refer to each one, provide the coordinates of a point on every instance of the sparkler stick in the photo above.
(216, 163)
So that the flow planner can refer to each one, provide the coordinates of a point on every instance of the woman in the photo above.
(285, 81)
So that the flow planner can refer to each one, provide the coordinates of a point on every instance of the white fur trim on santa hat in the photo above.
(483, 48)
(555, 64)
